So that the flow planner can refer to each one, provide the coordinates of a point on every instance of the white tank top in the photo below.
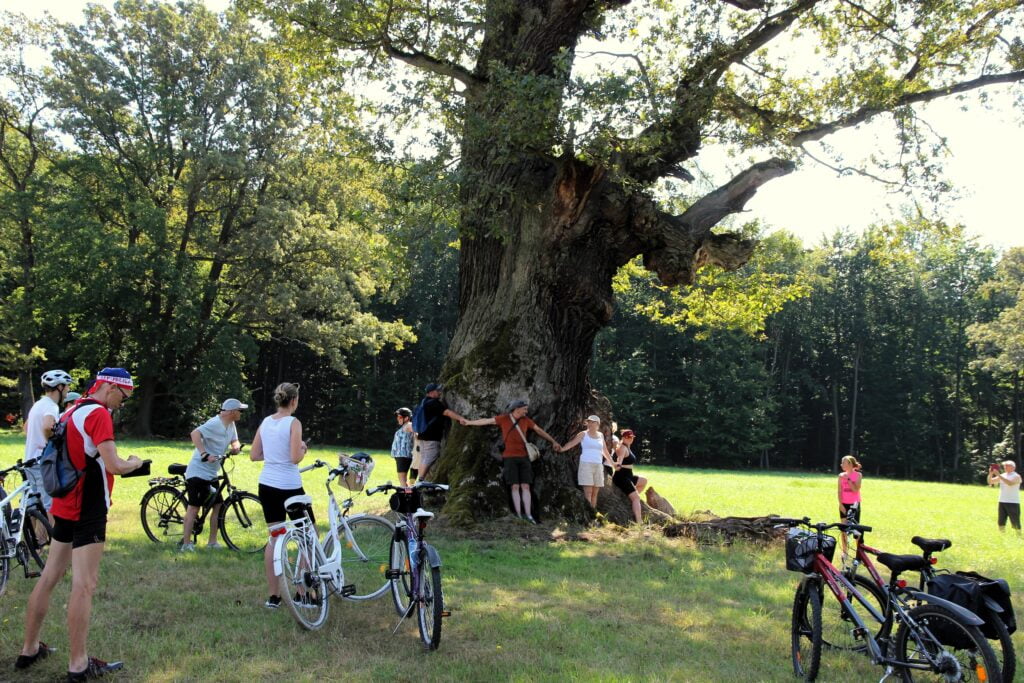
(592, 447)
(278, 469)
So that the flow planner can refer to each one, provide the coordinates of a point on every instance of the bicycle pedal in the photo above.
(446, 613)
(393, 574)
(348, 589)
(32, 574)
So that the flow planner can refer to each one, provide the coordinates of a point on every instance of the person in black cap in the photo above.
(435, 418)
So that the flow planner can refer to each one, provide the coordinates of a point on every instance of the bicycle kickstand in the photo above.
(410, 610)
(889, 671)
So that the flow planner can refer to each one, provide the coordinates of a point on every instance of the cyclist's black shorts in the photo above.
(273, 500)
(403, 464)
(81, 533)
(197, 492)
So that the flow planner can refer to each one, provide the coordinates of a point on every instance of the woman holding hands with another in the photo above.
(590, 474)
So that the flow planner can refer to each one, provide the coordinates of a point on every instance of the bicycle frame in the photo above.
(838, 583)
(11, 537)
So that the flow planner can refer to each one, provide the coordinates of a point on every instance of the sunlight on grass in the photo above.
(626, 605)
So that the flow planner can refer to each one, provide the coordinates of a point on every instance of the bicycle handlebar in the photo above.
(19, 466)
(821, 526)
(418, 485)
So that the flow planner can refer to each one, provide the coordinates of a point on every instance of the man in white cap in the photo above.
(212, 440)
(1009, 494)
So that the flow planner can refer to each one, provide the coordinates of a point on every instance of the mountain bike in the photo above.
(935, 640)
(988, 599)
(311, 571)
(415, 565)
(240, 519)
(25, 530)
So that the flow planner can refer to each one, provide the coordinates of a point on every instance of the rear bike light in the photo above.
(933, 560)
(901, 583)
(280, 531)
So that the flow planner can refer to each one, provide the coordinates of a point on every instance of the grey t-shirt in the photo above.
(217, 439)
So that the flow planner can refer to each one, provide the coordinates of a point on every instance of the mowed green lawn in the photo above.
(527, 604)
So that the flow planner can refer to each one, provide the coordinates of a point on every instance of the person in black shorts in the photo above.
(624, 478)
(80, 525)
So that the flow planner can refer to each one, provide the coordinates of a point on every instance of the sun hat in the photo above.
(518, 403)
(627, 433)
(594, 418)
(233, 404)
(72, 396)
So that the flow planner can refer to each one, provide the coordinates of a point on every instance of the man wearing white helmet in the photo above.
(39, 426)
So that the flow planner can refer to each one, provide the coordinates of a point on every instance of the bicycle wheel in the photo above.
(805, 631)
(1008, 659)
(364, 559)
(401, 586)
(241, 523)
(37, 536)
(163, 514)
(431, 604)
(301, 588)
(941, 648)
(837, 625)
(5, 573)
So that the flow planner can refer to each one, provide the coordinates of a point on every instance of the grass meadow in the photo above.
(528, 603)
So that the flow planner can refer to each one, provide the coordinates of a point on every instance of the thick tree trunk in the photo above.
(26, 390)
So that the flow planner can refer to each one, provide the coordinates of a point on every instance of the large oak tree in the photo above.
(572, 120)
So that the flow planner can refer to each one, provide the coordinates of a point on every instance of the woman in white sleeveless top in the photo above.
(278, 443)
(590, 474)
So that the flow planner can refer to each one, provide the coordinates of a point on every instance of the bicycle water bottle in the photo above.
(15, 518)
(211, 496)
(414, 546)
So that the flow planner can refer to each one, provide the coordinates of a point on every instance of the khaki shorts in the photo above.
(429, 451)
(591, 474)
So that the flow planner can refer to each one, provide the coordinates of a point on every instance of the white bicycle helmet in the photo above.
(54, 378)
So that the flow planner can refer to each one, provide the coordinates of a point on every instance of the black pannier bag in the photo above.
(801, 547)
(970, 590)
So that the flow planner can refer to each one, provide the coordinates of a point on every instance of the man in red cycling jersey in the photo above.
(80, 524)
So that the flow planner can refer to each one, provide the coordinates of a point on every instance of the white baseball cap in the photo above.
(233, 404)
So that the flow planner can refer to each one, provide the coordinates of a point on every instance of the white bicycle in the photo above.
(24, 530)
(310, 570)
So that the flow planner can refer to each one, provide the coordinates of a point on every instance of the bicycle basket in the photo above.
(405, 502)
(358, 468)
(801, 547)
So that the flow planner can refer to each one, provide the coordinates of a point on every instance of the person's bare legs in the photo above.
(214, 517)
(85, 574)
(515, 500)
(641, 484)
(57, 562)
(634, 499)
(524, 491)
(191, 512)
(268, 565)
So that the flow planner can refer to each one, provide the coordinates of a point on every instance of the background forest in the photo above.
(177, 198)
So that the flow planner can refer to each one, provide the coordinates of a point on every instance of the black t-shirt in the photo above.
(437, 423)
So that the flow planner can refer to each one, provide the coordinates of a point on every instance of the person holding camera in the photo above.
(212, 439)
(1009, 493)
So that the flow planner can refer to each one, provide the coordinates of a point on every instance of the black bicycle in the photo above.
(240, 518)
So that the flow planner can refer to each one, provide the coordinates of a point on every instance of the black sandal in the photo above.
(42, 652)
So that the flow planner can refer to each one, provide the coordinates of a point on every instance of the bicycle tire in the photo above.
(163, 514)
(5, 574)
(299, 575)
(836, 622)
(1008, 659)
(401, 585)
(37, 536)
(976, 662)
(805, 630)
(431, 605)
(366, 567)
(242, 513)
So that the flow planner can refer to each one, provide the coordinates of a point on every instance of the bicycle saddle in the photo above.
(420, 512)
(902, 563)
(931, 545)
(176, 469)
(298, 501)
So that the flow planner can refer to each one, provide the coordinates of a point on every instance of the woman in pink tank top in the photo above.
(850, 480)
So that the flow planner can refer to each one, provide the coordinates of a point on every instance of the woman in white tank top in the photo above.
(278, 443)
(594, 452)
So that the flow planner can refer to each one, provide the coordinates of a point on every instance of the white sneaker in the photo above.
(187, 548)
(214, 546)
